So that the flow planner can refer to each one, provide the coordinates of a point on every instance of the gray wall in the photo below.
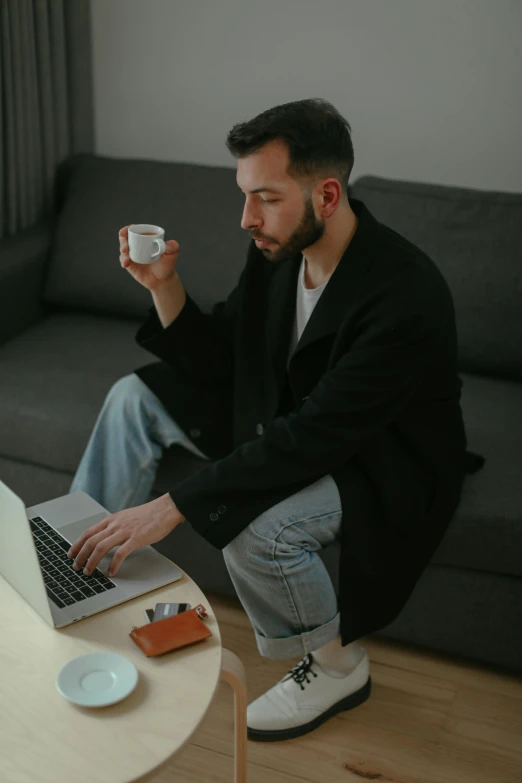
(431, 89)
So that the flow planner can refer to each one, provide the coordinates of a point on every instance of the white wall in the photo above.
(431, 88)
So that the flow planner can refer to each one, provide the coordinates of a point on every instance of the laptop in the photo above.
(33, 558)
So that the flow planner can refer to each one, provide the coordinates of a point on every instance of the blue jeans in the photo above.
(273, 563)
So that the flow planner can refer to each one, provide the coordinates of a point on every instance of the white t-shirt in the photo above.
(307, 299)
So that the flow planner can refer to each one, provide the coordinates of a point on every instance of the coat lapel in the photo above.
(333, 303)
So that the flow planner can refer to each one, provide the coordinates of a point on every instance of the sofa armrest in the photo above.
(23, 260)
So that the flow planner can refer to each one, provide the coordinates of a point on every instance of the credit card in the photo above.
(161, 611)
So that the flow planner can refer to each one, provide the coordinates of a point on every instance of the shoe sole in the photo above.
(348, 703)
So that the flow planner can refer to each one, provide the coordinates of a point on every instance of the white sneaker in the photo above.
(304, 698)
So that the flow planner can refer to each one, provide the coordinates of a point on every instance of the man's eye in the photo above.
(268, 201)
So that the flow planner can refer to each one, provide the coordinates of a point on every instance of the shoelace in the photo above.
(301, 671)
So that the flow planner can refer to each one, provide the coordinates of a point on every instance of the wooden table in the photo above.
(44, 737)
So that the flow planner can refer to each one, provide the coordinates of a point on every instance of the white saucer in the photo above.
(97, 679)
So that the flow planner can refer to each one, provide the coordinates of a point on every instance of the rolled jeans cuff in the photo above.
(300, 644)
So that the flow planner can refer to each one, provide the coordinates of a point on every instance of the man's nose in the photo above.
(249, 221)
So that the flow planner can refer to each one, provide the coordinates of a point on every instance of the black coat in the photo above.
(371, 397)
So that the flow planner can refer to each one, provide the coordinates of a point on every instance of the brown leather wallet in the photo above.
(173, 632)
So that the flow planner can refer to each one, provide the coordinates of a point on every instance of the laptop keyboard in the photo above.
(64, 585)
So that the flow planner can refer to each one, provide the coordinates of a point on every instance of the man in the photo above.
(324, 389)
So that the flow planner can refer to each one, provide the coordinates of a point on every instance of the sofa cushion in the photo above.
(198, 206)
(474, 237)
(56, 375)
(486, 532)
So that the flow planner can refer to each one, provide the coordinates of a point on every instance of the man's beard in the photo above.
(309, 231)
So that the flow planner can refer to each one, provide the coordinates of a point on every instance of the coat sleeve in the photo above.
(199, 345)
(367, 389)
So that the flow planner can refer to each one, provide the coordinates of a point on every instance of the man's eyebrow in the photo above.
(263, 190)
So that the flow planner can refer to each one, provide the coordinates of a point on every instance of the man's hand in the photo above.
(131, 529)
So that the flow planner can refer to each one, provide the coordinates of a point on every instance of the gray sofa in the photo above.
(69, 315)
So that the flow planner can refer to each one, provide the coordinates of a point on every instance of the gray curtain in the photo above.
(46, 107)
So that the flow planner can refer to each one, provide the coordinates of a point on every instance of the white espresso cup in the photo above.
(146, 243)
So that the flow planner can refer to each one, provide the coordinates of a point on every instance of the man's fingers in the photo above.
(123, 233)
(172, 246)
(90, 542)
(119, 556)
(92, 531)
(99, 551)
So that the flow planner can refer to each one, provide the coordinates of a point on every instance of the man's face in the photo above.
(284, 218)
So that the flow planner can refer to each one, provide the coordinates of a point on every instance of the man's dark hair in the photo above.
(317, 136)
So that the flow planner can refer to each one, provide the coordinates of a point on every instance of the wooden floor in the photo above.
(430, 719)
